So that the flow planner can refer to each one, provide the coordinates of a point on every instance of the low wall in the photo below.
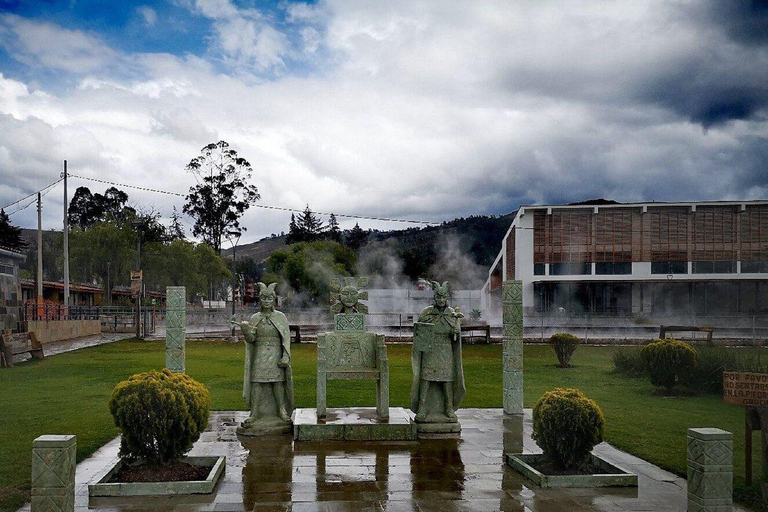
(57, 330)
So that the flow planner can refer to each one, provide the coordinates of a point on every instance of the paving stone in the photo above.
(273, 474)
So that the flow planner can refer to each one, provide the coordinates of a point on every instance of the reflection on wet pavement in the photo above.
(276, 473)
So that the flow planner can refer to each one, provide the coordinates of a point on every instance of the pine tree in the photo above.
(176, 230)
(10, 236)
(333, 232)
(356, 238)
(310, 225)
(293, 232)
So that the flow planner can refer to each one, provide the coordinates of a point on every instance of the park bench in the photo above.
(664, 329)
(295, 331)
(16, 344)
(484, 329)
(352, 354)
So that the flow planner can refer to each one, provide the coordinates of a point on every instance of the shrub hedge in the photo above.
(161, 415)
(565, 345)
(668, 361)
(566, 426)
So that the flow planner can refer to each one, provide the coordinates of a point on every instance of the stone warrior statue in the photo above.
(267, 367)
(438, 376)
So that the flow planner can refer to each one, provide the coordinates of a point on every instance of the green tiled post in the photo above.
(512, 309)
(710, 470)
(53, 473)
(175, 328)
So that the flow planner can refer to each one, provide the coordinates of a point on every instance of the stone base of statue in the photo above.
(438, 429)
(268, 426)
(354, 424)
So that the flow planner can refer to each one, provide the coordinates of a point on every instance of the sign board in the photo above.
(136, 276)
(741, 388)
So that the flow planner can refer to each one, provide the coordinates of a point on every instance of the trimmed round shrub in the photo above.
(668, 361)
(161, 415)
(565, 345)
(566, 426)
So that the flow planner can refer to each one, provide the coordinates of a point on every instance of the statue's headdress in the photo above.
(440, 288)
(264, 288)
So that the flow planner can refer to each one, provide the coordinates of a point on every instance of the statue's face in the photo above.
(267, 300)
(441, 299)
(348, 296)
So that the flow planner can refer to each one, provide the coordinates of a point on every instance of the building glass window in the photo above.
(754, 267)
(714, 267)
(6, 269)
(570, 269)
(538, 269)
(669, 267)
(613, 268)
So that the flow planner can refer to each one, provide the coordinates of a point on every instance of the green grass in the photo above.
(69, 393)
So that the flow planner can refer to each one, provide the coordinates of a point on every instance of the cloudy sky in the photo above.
(424, 110)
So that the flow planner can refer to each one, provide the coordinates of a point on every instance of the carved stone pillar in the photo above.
(512, 309)
(175, 328)
(53, 473)
(710, 470)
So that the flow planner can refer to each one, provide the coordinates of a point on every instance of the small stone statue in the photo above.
(438, 376)
(347, 297)
(267, 368)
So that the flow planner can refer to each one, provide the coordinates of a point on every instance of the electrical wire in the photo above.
(46, 188)
(263, 206)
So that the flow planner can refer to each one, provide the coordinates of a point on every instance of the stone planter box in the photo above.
(614, 476)
(102, 487)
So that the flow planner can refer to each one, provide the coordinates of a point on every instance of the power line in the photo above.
(263, 206)
(30, 195)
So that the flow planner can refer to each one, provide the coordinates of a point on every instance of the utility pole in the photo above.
(234, 240)
(39, 253)
(137, 278)
(66, 240)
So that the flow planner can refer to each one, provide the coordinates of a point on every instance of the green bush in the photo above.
(627, 360)
(668, 361)
(566, 425)
(565, 345)
(161, 415)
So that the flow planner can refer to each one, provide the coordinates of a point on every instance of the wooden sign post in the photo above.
(750, 390)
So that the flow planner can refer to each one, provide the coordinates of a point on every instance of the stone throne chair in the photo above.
(350, 352)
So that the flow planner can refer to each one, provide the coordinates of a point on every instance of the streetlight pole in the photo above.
(234, 235)
(138, 224)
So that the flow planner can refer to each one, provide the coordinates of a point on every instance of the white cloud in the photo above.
(413, 109)
(148, 14)
(48, 45)
(248, 42)
(216, 9)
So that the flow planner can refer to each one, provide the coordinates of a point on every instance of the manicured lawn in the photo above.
(69, 393)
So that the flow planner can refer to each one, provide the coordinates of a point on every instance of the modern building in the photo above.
(10, 289)
(688, 258)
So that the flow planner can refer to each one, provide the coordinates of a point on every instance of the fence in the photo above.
(51, 311)
(597, 328)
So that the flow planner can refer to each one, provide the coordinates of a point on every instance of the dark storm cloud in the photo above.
(727, 76)
(744, 21)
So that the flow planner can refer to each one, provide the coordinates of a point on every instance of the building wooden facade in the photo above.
(679, 258)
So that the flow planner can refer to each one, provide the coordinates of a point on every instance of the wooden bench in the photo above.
(485, 329)
(15, 344)
(664, 329)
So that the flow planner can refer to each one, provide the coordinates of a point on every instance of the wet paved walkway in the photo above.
(59, 347)
(278, 474)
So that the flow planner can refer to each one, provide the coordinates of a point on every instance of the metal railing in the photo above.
(51, 311)
(751, 329)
